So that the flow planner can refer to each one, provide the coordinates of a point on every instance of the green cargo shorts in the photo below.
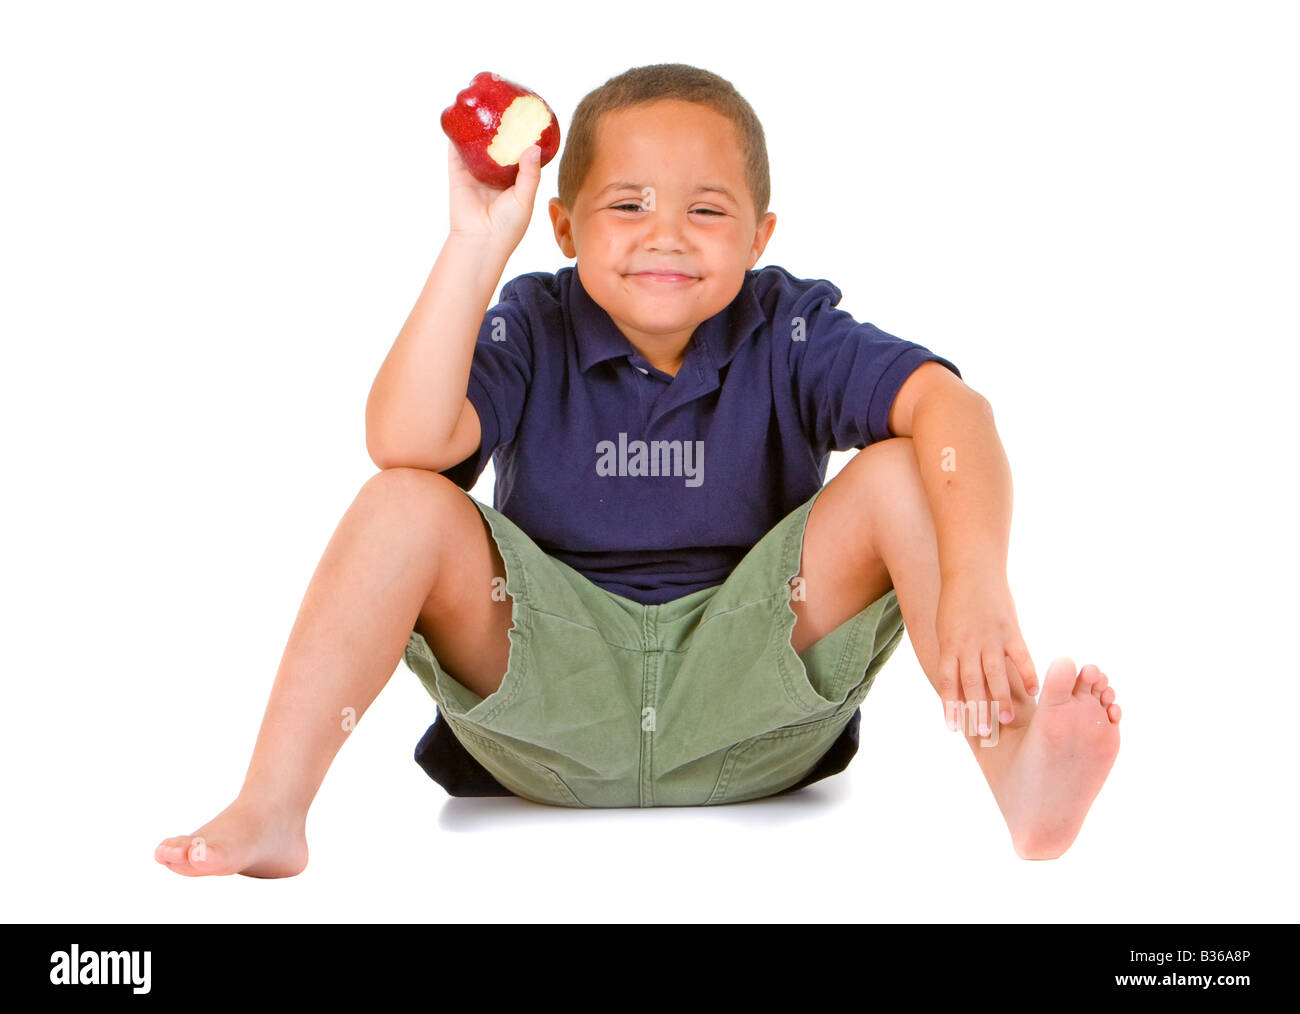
(607, 702)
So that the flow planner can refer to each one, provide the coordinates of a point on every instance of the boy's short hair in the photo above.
(649, 84)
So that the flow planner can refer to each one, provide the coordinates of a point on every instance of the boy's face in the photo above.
(619, 232)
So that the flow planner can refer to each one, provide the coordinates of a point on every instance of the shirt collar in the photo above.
(720, 336)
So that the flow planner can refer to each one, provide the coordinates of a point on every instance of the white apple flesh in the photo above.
(521, 125)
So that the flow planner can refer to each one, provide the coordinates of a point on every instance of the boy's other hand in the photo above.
(978, 630)
(485, 214)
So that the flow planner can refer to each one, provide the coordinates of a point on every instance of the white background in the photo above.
(215, 221)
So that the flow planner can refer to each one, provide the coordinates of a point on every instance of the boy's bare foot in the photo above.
(1059, 761)
(246, 838)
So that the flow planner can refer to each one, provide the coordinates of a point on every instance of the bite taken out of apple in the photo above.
(493, 121)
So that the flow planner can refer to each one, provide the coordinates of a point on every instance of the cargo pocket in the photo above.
(523, 776)
(766, 764)
(457, 700)
(816, 680)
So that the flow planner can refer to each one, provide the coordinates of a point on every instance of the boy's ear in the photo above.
(563, 227)
(761, 235)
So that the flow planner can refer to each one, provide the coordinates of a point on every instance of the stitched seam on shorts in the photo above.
(567, 619)
(798, 730)
(594, 630)
(739, 750)
(793, 535)
(513, 552)
(790, 681)
(584, 626)
(850, 650)
(521, 603)
(492, 745)
(735, 609)
(525, 630)
(645, 767)
(791, 546)
(525, 587)
(429, 661)
(794, 689)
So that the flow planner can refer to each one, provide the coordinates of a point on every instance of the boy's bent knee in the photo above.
(885, 474)
(887, 492)
(896, 452)
(406, 481)
(416, 499)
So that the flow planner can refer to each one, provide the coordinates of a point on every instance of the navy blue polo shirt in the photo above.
(654, 485)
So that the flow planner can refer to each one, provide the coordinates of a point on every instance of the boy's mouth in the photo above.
(663, 277)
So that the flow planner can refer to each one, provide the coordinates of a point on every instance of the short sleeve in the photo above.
(846, 374)
(499, 376)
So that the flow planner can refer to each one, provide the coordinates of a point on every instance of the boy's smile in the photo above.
(664, 224)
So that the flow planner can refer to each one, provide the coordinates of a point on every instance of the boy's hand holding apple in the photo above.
(501, 135)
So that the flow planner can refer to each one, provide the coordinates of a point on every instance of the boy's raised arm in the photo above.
(420, 392)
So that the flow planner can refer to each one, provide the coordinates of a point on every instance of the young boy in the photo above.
(665, 606)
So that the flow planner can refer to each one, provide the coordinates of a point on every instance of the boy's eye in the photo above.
(638, 207)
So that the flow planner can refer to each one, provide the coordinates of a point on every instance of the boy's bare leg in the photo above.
(870, 530)
(410, 553)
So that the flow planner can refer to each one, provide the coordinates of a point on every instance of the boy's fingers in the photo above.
(995, 671)
(972, 680)
(527, 167)
(948, 689)
(529, 175)
(1019, 654)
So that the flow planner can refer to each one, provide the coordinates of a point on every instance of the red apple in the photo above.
(493, 121)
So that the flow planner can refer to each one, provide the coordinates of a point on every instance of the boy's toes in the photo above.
(173, 850)
(1106, 696)
(206, 858)
(191, 855)
(1058, 682)
(1113, 712)
(1088, 677)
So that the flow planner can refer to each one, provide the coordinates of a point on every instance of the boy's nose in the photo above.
(663, 239)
